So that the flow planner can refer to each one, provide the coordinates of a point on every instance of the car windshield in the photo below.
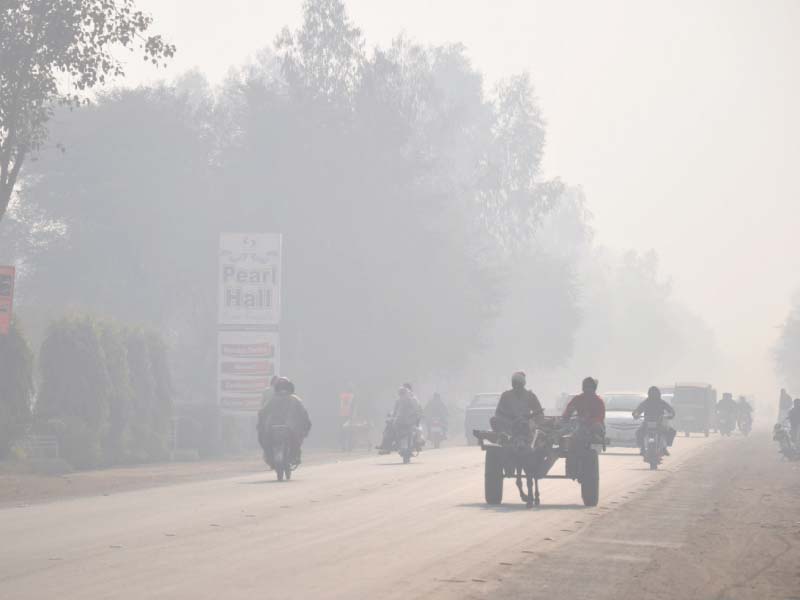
(485, 401)
(626, 402)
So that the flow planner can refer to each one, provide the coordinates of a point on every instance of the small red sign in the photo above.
(6, 298)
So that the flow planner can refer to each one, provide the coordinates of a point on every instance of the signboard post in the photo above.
(248, 348)
(7, 275)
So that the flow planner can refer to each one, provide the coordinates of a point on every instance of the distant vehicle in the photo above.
(620, 425)
(695, 407)
(436, 432)
(478, 415)
(654, 443)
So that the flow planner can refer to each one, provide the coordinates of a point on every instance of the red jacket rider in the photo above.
(588, 406)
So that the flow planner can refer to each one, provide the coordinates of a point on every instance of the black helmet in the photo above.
(518, 380)
(283, 384)
(654, 393)
(589, 385)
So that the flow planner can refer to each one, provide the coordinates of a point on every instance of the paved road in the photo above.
(359, 529)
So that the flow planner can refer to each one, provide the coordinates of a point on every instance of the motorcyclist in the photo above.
(727, 408)
(588, 406)
(591, 412)
(269, 393)
(437, 409)
(744, 412)
(793, 416)
(516, 403)
(407, 413)
(284, 408)
(654, 408)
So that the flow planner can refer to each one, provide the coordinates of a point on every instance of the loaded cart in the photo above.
(529, 452)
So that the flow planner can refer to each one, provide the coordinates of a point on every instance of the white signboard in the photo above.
(249, 279)
(247, 362)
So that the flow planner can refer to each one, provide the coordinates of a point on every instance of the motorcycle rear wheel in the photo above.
(590, 482)
(493, 478)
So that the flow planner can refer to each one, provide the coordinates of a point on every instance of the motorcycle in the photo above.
(746, 424)
(654, 445)
(786, 444)
(281, 456)
(436, 432)
(726, 424)
(409, 441)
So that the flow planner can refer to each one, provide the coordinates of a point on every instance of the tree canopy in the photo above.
(52, 52)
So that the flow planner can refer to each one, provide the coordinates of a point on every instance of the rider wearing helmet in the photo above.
(284, 408)
(516, 403)
(654, 409)
(407, 412)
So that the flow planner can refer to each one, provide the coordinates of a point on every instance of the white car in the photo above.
(620, 425)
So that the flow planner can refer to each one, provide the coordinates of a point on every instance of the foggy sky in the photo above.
(676, 119)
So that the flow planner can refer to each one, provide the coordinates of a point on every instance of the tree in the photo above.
(16, 387)
(43, 43)
(74, 398)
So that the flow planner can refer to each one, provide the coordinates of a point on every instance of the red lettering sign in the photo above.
(6, 298)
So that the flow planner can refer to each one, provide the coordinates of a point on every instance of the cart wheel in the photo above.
(590, 482)
(493, 478)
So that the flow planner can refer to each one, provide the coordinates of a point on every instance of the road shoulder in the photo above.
(726, 525)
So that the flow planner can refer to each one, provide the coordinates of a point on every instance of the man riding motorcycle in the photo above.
(407, 413)
(744, 414)
(516, 403)
(437, 409)
(793, 416)
(591, 412)
(283, 408)
(727, 410)
(654, 408)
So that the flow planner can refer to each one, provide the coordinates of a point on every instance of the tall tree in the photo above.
(51, 52)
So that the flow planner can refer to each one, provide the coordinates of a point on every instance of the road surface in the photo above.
(367, 528)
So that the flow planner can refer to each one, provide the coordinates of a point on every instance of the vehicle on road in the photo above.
(620, 425)
(516, 456)
(786, 445)
(409, 441)
(727, 423)
(746, 424)
(478, 414)
(436, 432)
(654, 443)
(281, 461)
(695, 408)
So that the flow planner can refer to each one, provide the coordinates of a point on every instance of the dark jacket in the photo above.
(794, 417)
(653, 409)
(590, 408)
(516, 404)
(285, 409)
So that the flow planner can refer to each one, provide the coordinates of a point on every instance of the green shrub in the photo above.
(76, 389)
(16, 388)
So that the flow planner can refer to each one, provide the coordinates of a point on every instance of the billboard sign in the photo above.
(247, 361)
(249, 280)
(7, 275)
